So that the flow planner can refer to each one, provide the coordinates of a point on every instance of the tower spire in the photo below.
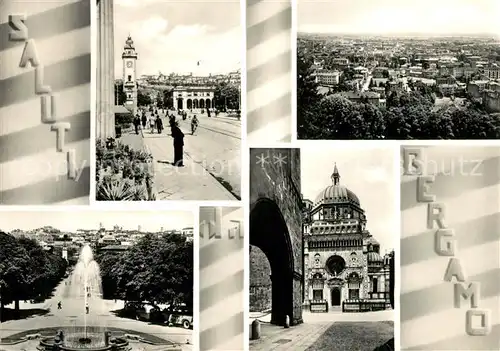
(335, 176)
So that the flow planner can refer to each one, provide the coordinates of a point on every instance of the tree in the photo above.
(307, 92)
(157, 270)
(27, 270)
(226, 96)
(168, 98)
(120, 95)
(143, 99)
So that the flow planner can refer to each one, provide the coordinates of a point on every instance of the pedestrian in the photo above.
(152, 124)
(208, 112)
(59, 305)
(159, 125)
(178, 136)
(144, 121)
(137, 123)
(87, 309)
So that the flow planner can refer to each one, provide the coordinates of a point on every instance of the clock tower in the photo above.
(129, 58)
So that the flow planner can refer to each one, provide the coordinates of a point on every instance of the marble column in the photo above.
(105, 71)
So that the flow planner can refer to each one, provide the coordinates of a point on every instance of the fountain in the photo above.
(86, 289)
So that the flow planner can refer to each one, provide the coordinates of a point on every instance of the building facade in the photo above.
(194, 98)
(342, 262)
(129, 58)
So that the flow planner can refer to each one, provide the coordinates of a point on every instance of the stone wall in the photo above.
(260, 281)
(275, 175)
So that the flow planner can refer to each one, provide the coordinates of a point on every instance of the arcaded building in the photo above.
(343, 267)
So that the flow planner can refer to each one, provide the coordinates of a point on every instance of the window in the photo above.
(353, 294)
(317, 294)
(129, 78)
(375, 285)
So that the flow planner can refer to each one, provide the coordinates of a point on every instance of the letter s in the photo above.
(19, 30)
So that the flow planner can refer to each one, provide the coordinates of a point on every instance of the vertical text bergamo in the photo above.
(445, 245)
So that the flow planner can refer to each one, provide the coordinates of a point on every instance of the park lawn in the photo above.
(354, 336)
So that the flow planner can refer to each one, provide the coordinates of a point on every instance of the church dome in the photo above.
(374, 257)
(336, 192)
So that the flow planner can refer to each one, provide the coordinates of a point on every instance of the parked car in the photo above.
(180, 316)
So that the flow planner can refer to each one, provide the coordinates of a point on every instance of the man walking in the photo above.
(137, 123)
(178, 136)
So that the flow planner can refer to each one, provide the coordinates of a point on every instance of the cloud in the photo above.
(151, 28)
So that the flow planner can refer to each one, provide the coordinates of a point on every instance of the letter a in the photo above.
(29, 55)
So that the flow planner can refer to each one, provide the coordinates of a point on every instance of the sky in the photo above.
(83, 219)
(172, 36)
(399, 16)
(369, 173)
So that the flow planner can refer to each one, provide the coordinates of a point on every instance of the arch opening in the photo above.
(269, 232)
(189, 104)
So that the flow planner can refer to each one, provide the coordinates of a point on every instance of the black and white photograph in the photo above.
(96, 280)
(168, 100)
(323, 232)
(392, 69)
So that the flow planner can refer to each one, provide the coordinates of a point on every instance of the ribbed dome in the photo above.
(374, 257)
(336, 192)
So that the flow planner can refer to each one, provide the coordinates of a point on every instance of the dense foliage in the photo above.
(158, 270)
(122, 173)
(407, 115)
(27, 271)
(226, 96)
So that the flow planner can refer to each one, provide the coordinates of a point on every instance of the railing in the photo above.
(318, 306)
(363, 306)
(380, 295)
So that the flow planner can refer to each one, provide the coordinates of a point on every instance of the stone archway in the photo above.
(189, 104)
(195, 103)
(208, 104)
(336, 296)
(269, 232)
(202, 103)
(180, 105)
(276, 228)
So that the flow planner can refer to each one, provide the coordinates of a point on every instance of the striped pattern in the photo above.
(269, 66)
(221, 280)
(31, 170)
(468, 184)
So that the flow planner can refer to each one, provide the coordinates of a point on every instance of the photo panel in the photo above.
(322, 250)
(45, 102)
(96, 280)
(450, 248)
(221, 278)
(398, 70)
(168, 100)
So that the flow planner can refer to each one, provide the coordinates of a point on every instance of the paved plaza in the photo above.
(100, 314)
(306, 335)
(212, 159)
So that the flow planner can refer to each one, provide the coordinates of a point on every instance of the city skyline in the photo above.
(175, 37)
(70, 221)
(369, 173)
(446, 17)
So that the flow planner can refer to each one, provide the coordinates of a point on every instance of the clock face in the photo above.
(129, 64)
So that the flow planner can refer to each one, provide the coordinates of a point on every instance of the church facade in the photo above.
(129, 58)
(343, 267)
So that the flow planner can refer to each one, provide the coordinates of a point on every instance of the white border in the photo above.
(293, 103)
(196, 279)
(93, 98)
(245, 175)
(397, 246)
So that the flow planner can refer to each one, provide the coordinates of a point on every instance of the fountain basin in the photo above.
(79, 342)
